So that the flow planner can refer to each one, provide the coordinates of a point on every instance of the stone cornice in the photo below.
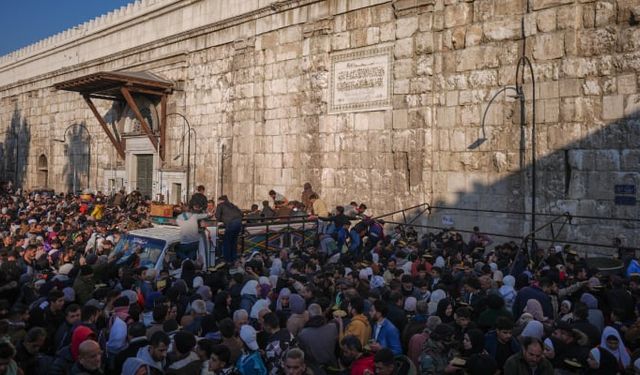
(168, 6)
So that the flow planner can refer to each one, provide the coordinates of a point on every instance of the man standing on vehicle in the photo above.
(189, 233)
(198, 201)
(231, 216)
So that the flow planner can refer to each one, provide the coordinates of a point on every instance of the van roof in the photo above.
(168, 234)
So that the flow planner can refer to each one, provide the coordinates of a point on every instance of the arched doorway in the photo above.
(43, 171)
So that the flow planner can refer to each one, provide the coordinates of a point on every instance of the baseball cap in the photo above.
(248, 336)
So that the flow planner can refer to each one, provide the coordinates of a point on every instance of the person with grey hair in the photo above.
(318, 338)
(193, 322)
(240, 318)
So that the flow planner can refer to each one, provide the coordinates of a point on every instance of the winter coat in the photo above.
(516, 365)
(358, 327)
(319, 340)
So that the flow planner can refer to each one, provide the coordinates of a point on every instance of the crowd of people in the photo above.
(74, 299)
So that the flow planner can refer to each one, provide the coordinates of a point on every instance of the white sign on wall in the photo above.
(361, 80)
(447, 220)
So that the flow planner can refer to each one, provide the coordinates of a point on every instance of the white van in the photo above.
(160, 241)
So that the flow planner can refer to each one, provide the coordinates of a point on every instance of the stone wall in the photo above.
(257, 82)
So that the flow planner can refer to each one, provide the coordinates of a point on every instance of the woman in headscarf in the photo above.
(534, 308)
(612, 342)
(601, 362)
(257, 307)
(299, 316)
(248, 295)
(507, 291)
(282, 303)
(533, 329)
(566, 312)
(472, 342)
(445, 311)
(436, 297)
(595, 316)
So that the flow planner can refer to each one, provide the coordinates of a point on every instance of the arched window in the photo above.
(43, 171)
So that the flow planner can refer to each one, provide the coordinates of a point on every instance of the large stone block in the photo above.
(596, 42)
(446, 117)
(612, 107)
(424, 42)
(632, 108)
(569, 87)
(502, 30)
(569, 17)
(458, 14)
(387, 32)
(605, 13)
(546, 20)
(340, 41)
(548, 46)
(403, 48)
(406, 27)
(483, 78)
(403, 68)
(358, 19)
(543, 4)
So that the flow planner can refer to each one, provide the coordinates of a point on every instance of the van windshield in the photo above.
(148, 249)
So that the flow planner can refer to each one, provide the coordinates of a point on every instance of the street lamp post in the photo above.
(15, 175)
(64, 140)
(523, 64)
(188, 133)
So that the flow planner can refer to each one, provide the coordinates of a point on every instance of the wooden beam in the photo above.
(98, 116)
(163, 126)
(136, 111)
(158, 92)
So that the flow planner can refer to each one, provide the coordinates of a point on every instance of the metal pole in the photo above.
(186, 122)
(89, 164)
(222, 171)
(17, 135)
(188, 163)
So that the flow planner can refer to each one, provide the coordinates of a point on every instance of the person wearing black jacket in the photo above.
(231, 216)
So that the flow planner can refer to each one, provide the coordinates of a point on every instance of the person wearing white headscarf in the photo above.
(276, 267)
(436, 296)
(508, 292)
(533, 329)
(565, 311)
(607, 341)
(601, 362)
(260, 305)
(283, 295)
(248, 295)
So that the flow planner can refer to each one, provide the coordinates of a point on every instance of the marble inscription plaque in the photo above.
(361, 80)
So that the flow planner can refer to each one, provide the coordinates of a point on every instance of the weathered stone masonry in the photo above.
(253, 77)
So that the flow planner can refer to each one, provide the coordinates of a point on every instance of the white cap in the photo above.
(249, 336)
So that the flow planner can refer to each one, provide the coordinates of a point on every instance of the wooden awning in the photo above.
(121, 87)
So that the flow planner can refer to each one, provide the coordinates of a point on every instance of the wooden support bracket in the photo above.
(134, 107)
(104, 126)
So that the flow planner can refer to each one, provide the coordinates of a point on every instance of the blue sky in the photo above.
(23, 22)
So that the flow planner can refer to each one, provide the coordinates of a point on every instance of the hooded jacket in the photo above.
(131, 365)
(144, 356)
(358, 327)
(80, 334)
